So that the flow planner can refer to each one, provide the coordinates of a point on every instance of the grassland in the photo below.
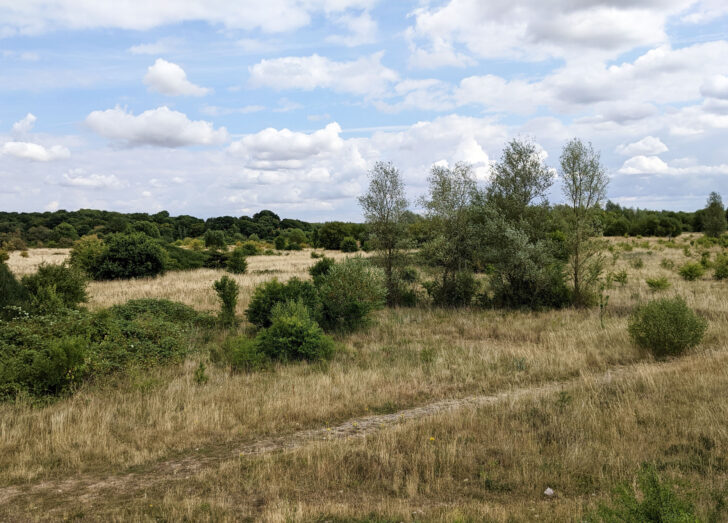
(597, 408)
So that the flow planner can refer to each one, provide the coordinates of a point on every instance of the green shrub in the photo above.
(215, 259)
(621, 277)
(720, 267)
(214, 239)
(164, 310)
(179, 259)
(456, 291)
(349, 292)
(130, 256)
(294, 335)
(280, 243)
(637, 263)
(200, 376)
(705, 260)
(656, 503)
(293, 246)
(270, 293)
(348, 244)
(237, 263)
(146, 227)
(240, 353)
(227, 291)
(666, 327)
(320, 269)
(250, 248)
(658, 284)
(691, 271)
(667, 264)
(55, 286)
(87, 254)
(12, 293)
(4, 256)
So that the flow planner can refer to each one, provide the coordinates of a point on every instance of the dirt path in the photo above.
(86, 488)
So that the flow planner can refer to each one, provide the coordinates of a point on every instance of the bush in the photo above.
(164, 310)
(280, 243)
(179, 259)
(637, 263)
(294, 335)
(320, 269)
(130, 256)
(227, 290)
(250, 248)
(215, 259)
(621, 277)
(4, 256)
(720, 267)
(87, 254)
(667, 264)
(241, 353)
(456, 291)
(237, 263)
(55, 286)
(349, 244)
(691, 271)
(349, 292)
(12, 293)
(658, 284)
(666, 327)
(658, 503)
(214, 239)
(270, 293)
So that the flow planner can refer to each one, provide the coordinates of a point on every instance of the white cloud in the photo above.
(715, 87)
(34, 151)
(271, 148)
(647, 165)
(365, 76)
(79, 178)
(170, 79)
(25, 125)
(362, 30)
(647, 146)
(213, 110)
(38, 16)
(161, 127)
(161, 46)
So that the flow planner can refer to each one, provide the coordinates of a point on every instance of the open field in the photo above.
(579, 410)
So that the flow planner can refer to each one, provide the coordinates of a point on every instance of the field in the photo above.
(425, 415)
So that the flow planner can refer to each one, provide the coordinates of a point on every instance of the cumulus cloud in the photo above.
(160, 127)
(163, 45)
(38, 16)
(25, 125)
(647, 165)
(365, 76)
(79, 178)
(34, 151)
(647, 146)
(362, 30)
(170, 79)
(715, 87)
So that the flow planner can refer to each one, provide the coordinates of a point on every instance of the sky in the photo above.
(215, 107)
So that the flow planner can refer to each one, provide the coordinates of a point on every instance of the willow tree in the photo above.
(385, 207)
(585, 187)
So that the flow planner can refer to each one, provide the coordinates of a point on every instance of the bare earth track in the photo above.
(87, 488)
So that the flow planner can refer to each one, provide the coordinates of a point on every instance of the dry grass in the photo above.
(489, 463)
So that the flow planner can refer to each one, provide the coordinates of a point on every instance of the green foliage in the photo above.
(658, 284)
(349, 292)
(200, 376)
(227, 291)
(250, 248)
(691, 271)
(720, 267)
(666, 327)
(714, 221)
(637, 263)
(270, 293)
(320, 269)
(280, 243)
(705, 260)
(49, 355)
(146, 227)
(237, 263)
(214, 239)
(656, 502)
(621, 277)
(55, 286)
(668, 264)
(87, 254)
(12, 293)
(456, 291)
(132, 255)
(241, 353)
(216, 259)
(179, 259)
(294, 335)
(4, 256)
(349, 244)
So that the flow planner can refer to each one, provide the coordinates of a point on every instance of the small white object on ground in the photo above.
(548, 492)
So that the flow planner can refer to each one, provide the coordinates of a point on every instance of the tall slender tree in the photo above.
(714, 221)
(585, 187)
(384, 206)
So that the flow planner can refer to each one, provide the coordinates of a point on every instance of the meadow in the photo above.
(518, 402)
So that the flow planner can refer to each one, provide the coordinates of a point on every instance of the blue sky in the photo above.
(216, 107)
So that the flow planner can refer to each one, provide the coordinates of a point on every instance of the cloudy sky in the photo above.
(212, 107)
